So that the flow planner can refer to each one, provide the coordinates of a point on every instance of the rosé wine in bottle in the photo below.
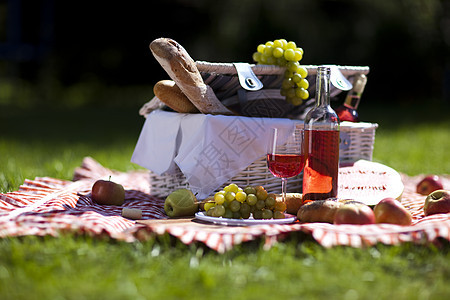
(321, 144)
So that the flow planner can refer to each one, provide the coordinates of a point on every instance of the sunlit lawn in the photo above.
(52, 143)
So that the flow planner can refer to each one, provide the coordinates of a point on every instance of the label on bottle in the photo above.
(353, 100)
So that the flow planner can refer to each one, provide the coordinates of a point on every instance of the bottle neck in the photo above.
(323, 87)
(352, 100)
(322, 116)
(354, 96)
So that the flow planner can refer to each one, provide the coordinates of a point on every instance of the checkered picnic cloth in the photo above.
(49, 206)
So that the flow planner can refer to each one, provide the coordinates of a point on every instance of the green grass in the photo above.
(417, 150)
(413, 138)
(52, 143)
(84, 268)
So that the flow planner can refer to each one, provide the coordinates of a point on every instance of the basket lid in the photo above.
(224, 79)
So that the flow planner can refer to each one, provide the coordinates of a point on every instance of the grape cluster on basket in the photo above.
(236, 203)
(286, 54)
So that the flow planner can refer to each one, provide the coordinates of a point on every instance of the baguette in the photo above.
(182, 69)
(169, 93)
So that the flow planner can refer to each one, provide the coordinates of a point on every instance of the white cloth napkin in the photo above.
(208, 149)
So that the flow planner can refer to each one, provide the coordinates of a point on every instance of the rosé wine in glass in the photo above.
(285, 155)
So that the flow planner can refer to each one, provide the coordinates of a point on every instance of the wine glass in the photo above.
(285, 157)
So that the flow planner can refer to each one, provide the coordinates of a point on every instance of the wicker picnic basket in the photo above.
(357, 139)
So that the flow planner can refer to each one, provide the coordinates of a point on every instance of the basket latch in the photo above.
(338, 80)
(247, 78)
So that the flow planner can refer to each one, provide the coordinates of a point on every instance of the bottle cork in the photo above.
(132, 213)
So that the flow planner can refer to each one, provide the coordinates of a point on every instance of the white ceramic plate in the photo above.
(244, 222)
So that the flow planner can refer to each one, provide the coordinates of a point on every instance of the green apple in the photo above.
(181, 202)
(107, 192)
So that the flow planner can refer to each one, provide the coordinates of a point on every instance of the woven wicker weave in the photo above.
(357, 139)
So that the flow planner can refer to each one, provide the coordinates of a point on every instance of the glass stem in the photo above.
(283, 188)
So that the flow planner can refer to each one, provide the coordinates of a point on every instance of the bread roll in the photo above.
(318, 211)
(169, 93)
(293, 202)
(182, 69)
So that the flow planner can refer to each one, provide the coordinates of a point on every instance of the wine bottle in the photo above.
(321, 140)
(348, 110)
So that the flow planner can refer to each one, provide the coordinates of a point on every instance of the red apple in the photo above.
(106, 192)
(354, 213)
(438, 202)
(429, 184)
(390, 210)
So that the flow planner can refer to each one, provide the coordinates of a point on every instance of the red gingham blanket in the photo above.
(49, 206)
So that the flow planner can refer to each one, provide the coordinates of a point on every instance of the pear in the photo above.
(391, 211)
(181, 202)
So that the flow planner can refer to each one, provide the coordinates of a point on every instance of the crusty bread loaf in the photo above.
(293, 202)
(182, 69)
(169, 93)
(318, 211)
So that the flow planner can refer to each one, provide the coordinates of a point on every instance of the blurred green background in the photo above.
(76, 53)
(73, 74)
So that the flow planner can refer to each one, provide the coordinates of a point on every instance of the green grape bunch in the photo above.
(234, 202)
(286, 54)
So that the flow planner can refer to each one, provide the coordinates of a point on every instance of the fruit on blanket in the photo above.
(354, 213)
(438, 202)
(235, 202)
(429, 184)
(390, 210)
(107, 192)
(181, 202)
(369, 182)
